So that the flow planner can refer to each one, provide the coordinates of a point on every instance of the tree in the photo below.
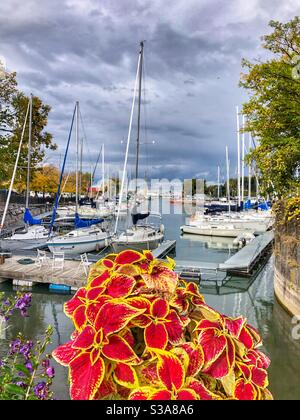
(45, 180)
(13, 107)
(273, 110)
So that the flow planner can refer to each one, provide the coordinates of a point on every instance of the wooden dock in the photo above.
(71, 275)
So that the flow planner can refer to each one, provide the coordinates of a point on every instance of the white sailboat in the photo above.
(139, 236)
(31, 236)
(88, 236)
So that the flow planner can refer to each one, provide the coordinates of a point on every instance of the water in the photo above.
(253, 299)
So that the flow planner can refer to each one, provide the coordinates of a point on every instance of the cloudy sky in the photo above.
(86, 50)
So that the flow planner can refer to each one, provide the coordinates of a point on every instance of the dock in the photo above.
(242, 264)
(164, 249)
(29, 274)
(245, 261)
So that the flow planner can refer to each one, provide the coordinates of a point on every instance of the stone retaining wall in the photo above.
(287, 265)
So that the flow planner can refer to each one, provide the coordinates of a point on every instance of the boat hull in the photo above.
(80, 247)
(225, 233)
(119, 246)
(15, 244)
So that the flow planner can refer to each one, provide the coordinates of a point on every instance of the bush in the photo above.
(143, 333)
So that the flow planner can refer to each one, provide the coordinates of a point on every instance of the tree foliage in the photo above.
(13, 107)
(273, 110)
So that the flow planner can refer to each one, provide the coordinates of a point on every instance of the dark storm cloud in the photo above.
(68, 50)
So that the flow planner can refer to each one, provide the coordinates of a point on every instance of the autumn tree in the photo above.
(45, 180)
(273, 110)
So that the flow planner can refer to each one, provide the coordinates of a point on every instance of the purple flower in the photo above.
(25, 349)
(23, 303)
(50, 372)
(46, 363)
(2, 363)
(41, 391)
(20, 384)
(15, 346)
(29, 366)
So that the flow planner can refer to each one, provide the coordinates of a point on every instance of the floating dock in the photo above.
(245, 261)
(164, 249)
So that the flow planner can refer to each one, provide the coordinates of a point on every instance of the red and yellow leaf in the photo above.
(112, 317)
(79, 317)
(85, 339)
(196, 358)
(159, 308)
(156, 336)
(85, 378)
(77, 300)
(213, 344)
(120, 286)
(142, 393)
(126, 376)
(174, 328)
(234, 325)
(99, 280)
(119, 350)
(65, 353)
(161, 279)
(244, 390)
(170, 370)
(148, 255)
(186, 394)
(259, 377)
(246, 338)
(129, 257)
(162, 394)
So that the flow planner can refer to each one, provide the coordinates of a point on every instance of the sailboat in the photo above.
(87, 236)
(139, 236)
(33, 235)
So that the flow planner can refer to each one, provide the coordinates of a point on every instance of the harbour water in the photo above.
(255, 300)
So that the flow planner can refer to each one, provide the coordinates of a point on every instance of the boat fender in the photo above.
(162, 228)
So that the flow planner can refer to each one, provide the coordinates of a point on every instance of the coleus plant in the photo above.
(143, 333)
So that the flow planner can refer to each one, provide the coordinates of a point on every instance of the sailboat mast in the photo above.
(249, 169)
(103, 171)
(29, 153)
(228, 179)
(243, 159)
(14, 172)
(127, 147)
(218, 182)
(77, 150)
(139, 116)
(238, 157)
(80, 169)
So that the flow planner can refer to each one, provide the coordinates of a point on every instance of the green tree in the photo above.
(273, 110)
(13, 106)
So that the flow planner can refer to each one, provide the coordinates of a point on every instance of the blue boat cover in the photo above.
(79, 223)
(31, 220)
